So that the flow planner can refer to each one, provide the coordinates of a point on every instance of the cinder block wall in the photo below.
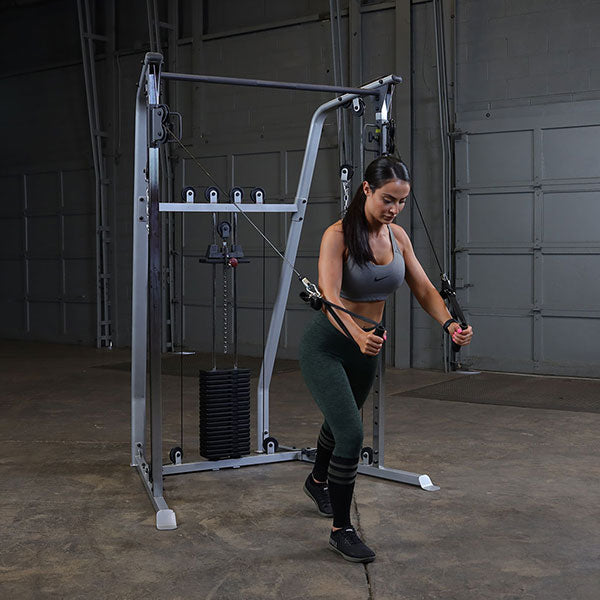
(526, 52)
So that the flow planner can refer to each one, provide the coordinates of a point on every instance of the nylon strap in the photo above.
(330, 306)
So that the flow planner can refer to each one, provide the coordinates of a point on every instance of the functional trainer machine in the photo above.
(151, 130)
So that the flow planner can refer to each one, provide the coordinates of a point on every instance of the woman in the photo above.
(363, 258)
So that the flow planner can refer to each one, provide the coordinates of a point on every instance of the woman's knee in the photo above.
(350, 443)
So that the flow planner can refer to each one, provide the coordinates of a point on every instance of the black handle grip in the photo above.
(455, 346)
(379, 331)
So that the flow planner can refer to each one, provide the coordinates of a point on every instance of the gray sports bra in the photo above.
(373, 282)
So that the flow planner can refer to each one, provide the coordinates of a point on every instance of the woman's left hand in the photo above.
(460, 336)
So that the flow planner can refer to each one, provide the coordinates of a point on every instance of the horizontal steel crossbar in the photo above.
(231, 463)
(211, 207)
(284, 85)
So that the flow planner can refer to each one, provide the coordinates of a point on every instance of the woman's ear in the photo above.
(366, 188)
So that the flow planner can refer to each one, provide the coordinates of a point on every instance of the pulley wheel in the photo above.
(236, 194)
(188, 194)
(224, 229)
(175, 453)
(367, 452)
(358, 107)
(268, 440)
(257, 195)
(211, 194)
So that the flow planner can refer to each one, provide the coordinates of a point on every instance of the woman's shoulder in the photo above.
(400, 235)
(334, 231)
(333, 237)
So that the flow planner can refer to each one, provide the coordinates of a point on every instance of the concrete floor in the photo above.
(517, 516)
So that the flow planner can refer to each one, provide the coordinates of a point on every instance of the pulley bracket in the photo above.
(158, 115)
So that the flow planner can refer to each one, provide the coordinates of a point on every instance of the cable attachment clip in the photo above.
(346, 173)
(311, 294)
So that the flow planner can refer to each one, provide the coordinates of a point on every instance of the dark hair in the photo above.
(354, 224)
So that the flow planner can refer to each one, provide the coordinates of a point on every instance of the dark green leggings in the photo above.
(339, 377)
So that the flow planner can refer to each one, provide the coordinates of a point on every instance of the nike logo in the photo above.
(380, 278)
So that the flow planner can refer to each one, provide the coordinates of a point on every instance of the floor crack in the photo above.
(365, 565)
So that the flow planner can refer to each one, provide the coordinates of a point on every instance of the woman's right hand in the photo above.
(370, 344)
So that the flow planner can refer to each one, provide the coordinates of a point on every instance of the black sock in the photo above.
(341, 478)
(325, 446)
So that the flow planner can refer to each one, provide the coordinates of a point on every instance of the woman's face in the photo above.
(383, 204)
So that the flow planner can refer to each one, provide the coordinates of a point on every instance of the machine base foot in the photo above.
(426, 484)
(165, 519)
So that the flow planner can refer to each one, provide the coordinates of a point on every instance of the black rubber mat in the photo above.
(552, 393)
(190, 364)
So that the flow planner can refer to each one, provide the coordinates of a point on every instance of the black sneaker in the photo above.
(319, 494)
(344, 541)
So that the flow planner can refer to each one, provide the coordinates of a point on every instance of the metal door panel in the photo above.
(80, 281)
(80, 322)
(45, 278)
(12, 280)
(44, 236)
(43, 193)
(501, 337)
(79, 236)
(11, 238)
(78, 191)
(571, 152)
(504, 217)
(46, 320)
(500, 158)
(11, 203)
(258, 170)
(502, 281)
(577, 335)
(571, 280)
(326, 180)
(571, 217)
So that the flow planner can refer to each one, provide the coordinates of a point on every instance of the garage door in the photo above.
(528, 238)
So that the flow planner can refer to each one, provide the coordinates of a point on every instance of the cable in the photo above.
(234, 204)
(427, 231)
(311, 292)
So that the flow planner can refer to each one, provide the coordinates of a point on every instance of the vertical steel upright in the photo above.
(155, 316)
(171, 331)
(88, 40)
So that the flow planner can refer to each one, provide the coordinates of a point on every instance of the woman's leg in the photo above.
(325, 446)
(323, 351)
(325, 359)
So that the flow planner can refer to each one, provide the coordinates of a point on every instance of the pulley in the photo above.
(188, 194)
(236, 195)
(257, 195)
(211, 194)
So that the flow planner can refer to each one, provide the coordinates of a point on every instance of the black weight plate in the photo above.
(224, 373)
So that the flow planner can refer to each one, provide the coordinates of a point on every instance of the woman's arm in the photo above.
(425, 292)
(331, 261)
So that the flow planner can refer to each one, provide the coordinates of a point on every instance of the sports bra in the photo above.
(372, 282)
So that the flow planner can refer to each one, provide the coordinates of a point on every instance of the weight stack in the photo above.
(224, 413)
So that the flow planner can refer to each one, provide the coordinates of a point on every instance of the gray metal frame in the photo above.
(147, 280)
